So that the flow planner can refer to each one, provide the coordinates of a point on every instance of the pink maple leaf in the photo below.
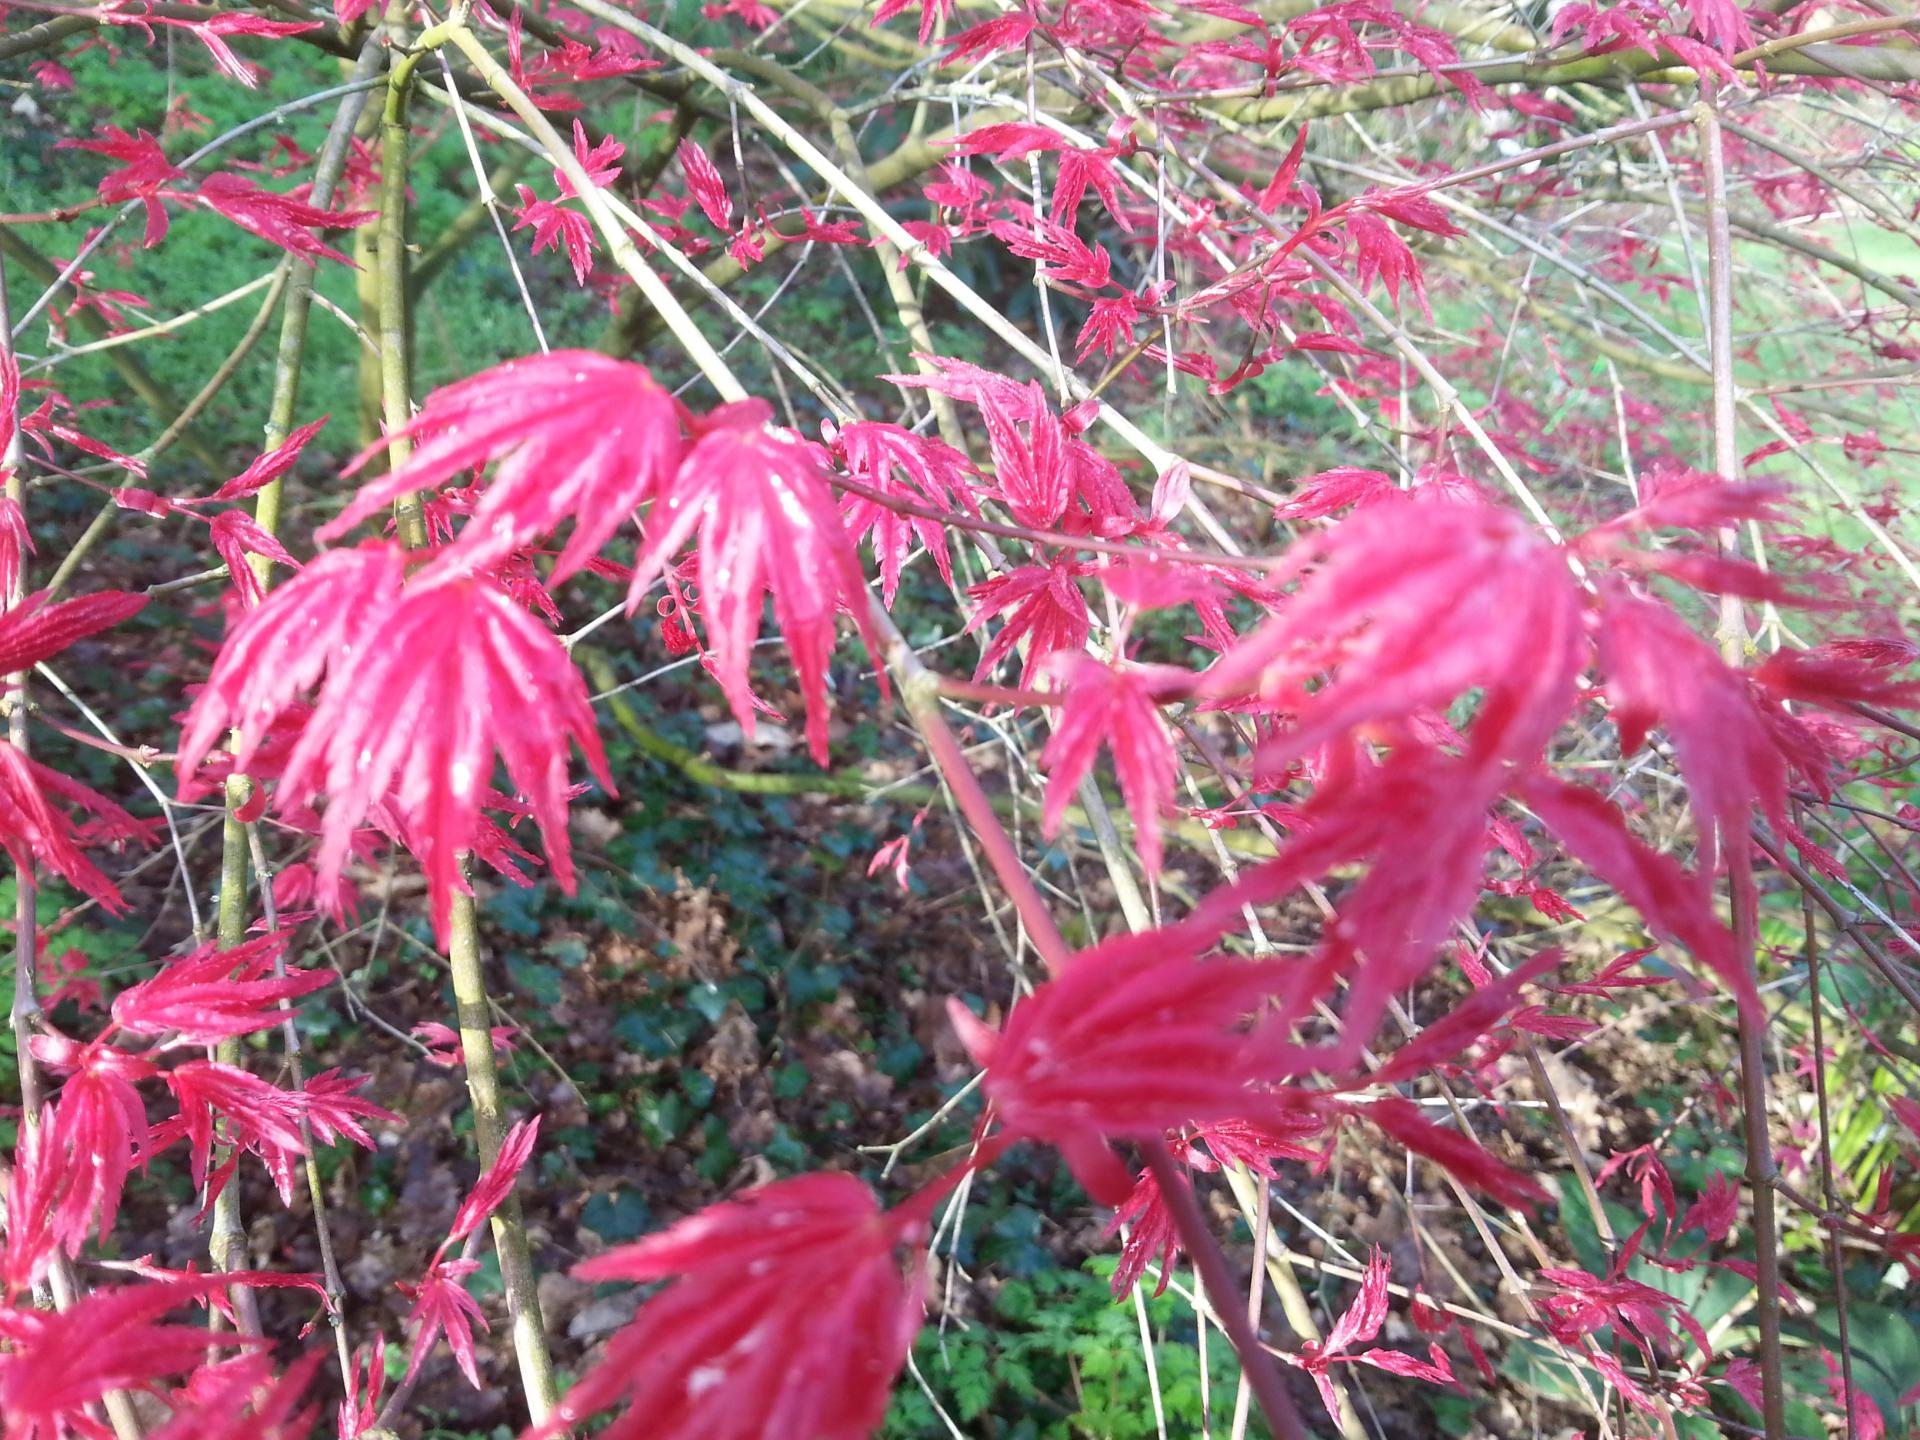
(1359, 1323)
(931, 13)
(33, 631)
(990, 37)
(1414, 601)
(442, 1306)
(1117, 706)
(789, 1312)
(237, 535)
(917, 468)
(214, 994)
(557, 227)
(242, 1399)
(264, 469)
(278, 219)
(89, 1139)
(767, 524)
(1134, 1037)
(57, 1363)
(705, 185)
(259, 1116)
(143, 174)
(1659, 672)
(1459, 1154)
(492, 1188)
(1676, 904)
(36, 830)
(570, 435)
(1048, 611)
(1109, 324)
(443, 1042)
(404, 719)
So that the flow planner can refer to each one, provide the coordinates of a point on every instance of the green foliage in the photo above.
(1061, 1358)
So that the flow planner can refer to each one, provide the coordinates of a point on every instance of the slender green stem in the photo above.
(517, 1276)
(396, 400)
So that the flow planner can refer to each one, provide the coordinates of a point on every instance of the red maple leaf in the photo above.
(143, 174)
(492, 1188)
(442, 1306)
(705, 185)
(1117, 706)
(931, 13)
(1134, 1037)
(554, 226)
(916, 468)
(214, 994)
(1361, 1322)
(789, 1312)
(767, 524)
(403, 719)
(1049, 612)
(57, 1363)
(570, 435)
(278, 219)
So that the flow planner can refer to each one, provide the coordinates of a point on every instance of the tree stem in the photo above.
(517, 1277)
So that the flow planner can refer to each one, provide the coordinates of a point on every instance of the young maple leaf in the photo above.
(444, 1045)
(243, 1399)
(442, 1306)
(790, 1310)
(932, 12)
(1117, 706)
(556, 227)
(1841, 674)
(214, 994)
(705, 185)
(1413, 602)
(36, 831)
(1320, 495)
(1676, 904)
(570, 435)
(1008, 141)
(990, 37)
(1109, 325)
(767, 524)
(144, 173)
(1134, 1037)
(1049, 612)
(278, 219)
(366, 1378)
(258, 1116)
(213, 34)
(915, 468)
(1360, 1323)
(1460, 1155)
(1659, 672)
(237, 535)
(1062, 254)
(1643, 1315)
(33, 631)
(404, 719)
(55, 1364)
(492, 1189)
(16, 543)
(88, 1139)
(1047, 464)
(264, 469)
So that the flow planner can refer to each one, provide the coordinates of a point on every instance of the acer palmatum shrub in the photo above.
(1421, 488)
